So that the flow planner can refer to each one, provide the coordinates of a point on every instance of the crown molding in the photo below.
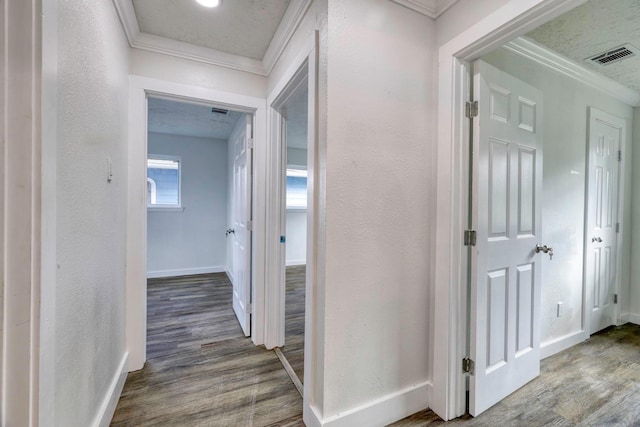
(430, 8)
(529, 49)
(288, 25)
(139, 40)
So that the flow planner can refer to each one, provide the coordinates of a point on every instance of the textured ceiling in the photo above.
(239, 27)
(181, 118)
(594, 27)
(296, 114)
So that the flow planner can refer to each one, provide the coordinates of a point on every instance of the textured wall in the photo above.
(90, 288)
(563, 203)
(379, 186)
(193, 239)
(184, 71)
(462, 15)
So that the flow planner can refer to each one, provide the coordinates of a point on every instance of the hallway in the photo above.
(201, 370)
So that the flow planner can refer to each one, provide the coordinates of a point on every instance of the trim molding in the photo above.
(630, 318)
(144, 41)
(383, 411)
(108, 406)
(185, 271)
(288, 25)
(529, 49)
(430, 8)
(556, 345)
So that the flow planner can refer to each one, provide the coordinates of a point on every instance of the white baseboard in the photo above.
(556, 345)
(185, 272)
(630, 318)
(108, 406)
(292, 262)
(380, 412)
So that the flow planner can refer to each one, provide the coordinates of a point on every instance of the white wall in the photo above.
(566, 103)
(462, 15)
(379, 187)
(634, 288)
(178, 70)
(190, 241)
(92, 107)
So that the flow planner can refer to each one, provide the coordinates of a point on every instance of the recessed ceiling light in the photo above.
(209, 3)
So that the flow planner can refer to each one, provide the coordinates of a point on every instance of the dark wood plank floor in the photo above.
(201, 370)
(596, 383)
(293, 348)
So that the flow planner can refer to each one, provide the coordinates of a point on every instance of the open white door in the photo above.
(605, 139)
(241, 214)
(506, 214)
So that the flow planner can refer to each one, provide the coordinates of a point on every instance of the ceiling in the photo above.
(181, 118)
(239, 27)
(594, 27)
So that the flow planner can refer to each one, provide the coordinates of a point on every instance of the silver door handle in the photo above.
(596, 239)
(545, 249)
(229, 231)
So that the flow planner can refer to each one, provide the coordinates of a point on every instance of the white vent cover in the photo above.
(614, 55)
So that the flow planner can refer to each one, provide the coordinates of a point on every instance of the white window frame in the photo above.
(166, 208)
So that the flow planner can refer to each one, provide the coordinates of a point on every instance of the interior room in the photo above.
(471, 263)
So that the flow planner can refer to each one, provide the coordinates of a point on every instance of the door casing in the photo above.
(140, 88)
(304, 68)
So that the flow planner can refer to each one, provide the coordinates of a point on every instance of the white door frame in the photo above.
(515, 18)
(304, 66)
(136, 249)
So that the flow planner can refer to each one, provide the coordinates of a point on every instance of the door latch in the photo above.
(545, 249)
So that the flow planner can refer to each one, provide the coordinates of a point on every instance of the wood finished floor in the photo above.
(293, 348)
(201, 370)
(596, 383)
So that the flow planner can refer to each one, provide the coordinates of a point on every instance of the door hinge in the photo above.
(250, 143)
(471, 109)
(615, 298)
(249, 225)
(617, 227)
(469, 237)
(468, 366)
(619, 155)
(249, 308)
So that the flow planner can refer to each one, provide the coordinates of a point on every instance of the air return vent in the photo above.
(215, 110)
(614, 55)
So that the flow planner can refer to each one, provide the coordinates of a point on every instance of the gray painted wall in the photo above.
(191, 241)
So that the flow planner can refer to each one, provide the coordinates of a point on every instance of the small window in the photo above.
(296, 189)
(163, 181)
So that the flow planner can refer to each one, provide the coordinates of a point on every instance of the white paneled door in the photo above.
(506, 214)
(241, 214)
(605, 138)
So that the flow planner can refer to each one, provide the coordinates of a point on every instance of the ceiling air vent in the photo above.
(614, 55)
(215, 110)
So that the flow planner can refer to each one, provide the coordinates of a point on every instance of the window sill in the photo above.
(296, 210)
(165, 208)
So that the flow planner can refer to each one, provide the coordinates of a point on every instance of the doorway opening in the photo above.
(198, 196)
(294, 178)
(533, 96)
